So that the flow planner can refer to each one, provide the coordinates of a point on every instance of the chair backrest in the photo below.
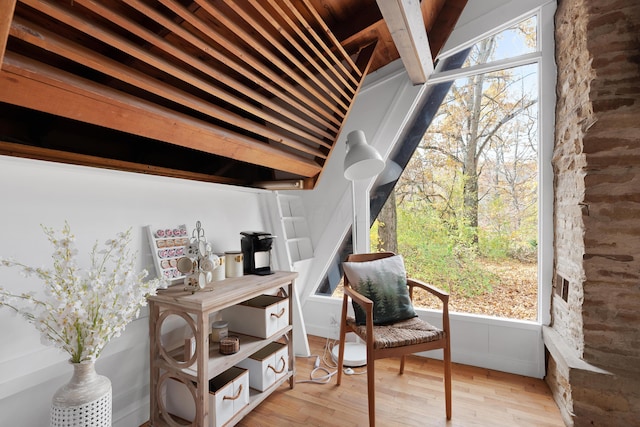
(364, 258)
(368, 257)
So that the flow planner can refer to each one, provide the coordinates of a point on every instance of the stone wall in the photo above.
(574, 116)
(594, 340)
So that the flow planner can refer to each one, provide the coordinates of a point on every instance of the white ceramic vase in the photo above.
(84, 401)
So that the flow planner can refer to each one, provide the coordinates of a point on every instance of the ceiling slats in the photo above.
(339, 52)
(52, 43)
(327, 120)
(267, 53)
(269, 75)
(234, 91)
(337, 86)
(338, 70)
(206, 69)
(140, 80)
(297, 67)
(40, 87)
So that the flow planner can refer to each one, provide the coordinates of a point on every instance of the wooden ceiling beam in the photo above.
(31, 84)
(440, 17)
(7, 7)
(407, 27)
(346, 24)
(60, 46)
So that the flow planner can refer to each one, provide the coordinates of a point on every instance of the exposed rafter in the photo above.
(234, 91)
(404, 19)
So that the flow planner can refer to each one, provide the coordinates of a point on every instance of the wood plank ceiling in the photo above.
(230, 91)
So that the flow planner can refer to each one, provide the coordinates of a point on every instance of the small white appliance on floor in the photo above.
(355, 354)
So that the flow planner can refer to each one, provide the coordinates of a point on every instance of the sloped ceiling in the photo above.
(231, 91)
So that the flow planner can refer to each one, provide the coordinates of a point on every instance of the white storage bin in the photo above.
(266, 366)
(228, 394)
(260, 317)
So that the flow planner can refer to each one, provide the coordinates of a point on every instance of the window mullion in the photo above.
(445, 76)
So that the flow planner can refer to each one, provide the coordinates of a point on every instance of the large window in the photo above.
(465, 211)
(466, 204)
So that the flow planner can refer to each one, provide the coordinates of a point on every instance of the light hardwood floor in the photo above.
(481, 397)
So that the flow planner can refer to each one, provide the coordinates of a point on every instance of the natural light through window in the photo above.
(514, 41)
(464, 212)
(466, 204)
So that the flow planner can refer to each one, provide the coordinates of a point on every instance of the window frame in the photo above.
(543, 56)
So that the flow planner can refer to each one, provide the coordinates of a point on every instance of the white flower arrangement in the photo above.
(83, 310)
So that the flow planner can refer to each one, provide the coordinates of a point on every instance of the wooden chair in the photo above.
(398, 339)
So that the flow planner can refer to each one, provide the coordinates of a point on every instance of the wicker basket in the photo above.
(229, 345)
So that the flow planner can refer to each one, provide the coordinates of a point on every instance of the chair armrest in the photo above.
(360, 299)
(444, 296)
(367, 305)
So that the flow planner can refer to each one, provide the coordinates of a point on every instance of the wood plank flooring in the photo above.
(481, 397)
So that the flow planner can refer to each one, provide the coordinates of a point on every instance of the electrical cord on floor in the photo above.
(326, 354)
(327, 360)
(324, 379)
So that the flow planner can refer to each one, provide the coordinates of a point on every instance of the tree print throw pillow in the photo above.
(383, 281)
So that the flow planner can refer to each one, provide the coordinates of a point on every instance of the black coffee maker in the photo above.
(256, 251)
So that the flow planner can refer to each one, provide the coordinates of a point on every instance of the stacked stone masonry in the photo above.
(597, 210)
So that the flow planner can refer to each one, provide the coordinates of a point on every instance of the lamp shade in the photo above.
(362, 160)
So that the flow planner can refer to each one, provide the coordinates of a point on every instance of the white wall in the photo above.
(97, 203)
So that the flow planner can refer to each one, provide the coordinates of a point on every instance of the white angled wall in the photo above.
(97, 203)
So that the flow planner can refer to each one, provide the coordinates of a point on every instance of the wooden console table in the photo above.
(207, 362)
